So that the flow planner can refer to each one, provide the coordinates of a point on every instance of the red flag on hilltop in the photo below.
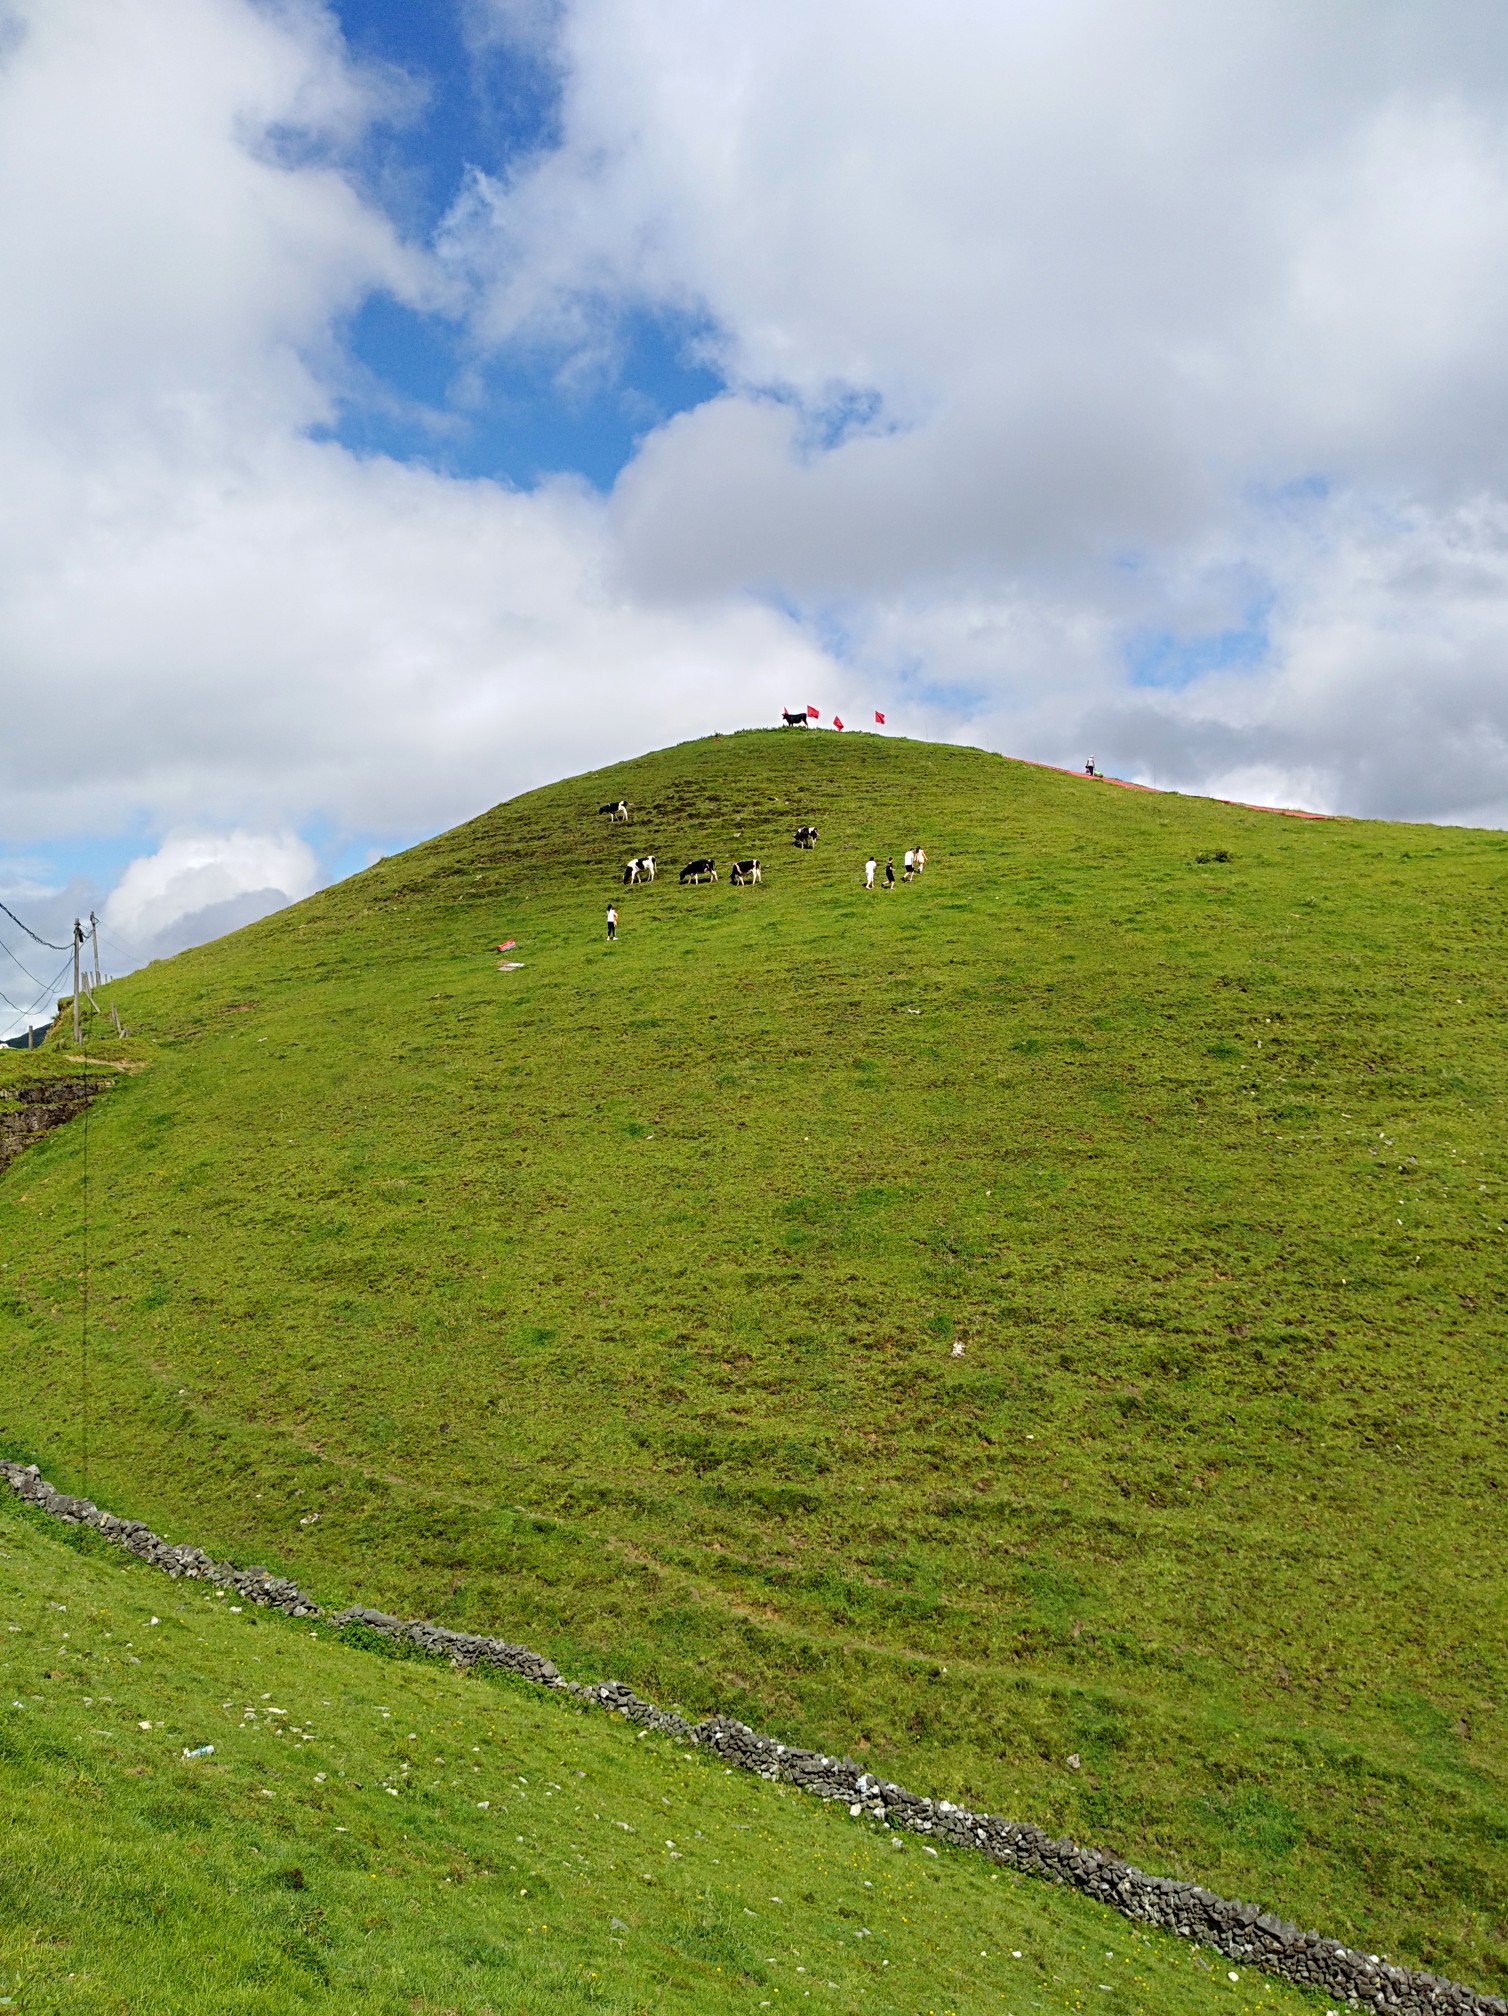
(812, 714)
(879, 717)
(836, 722)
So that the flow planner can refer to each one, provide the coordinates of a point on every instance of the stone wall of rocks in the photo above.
(1241, 1932)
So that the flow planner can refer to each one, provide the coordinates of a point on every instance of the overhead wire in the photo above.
(46, 993)
(21, 963)
(22, 925)
(84, 1290)
(113, 942)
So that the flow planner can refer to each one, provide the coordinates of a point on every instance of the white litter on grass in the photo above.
(509, 965)
(928, 1851)
(1233, 1976)
(483, 1804)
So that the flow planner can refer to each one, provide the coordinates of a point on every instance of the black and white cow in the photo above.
(696, 871)
(806, 836)
(641, 868)
(791, 720)
(746, 871)
(615, 809)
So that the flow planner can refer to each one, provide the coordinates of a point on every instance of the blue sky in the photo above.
(422, 389)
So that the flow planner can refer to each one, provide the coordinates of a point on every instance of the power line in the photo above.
(84, 1313)
(25, 969)
(48, 993)
(33, 934)
(123, 947)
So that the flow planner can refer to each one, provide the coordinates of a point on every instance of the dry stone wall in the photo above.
(1242, 1932)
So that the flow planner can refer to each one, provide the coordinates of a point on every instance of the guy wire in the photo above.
(84, 1326)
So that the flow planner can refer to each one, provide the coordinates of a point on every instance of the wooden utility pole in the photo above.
(78, 939)
(94, 936)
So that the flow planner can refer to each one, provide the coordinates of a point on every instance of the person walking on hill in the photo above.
(919, 860)
(909, 864)
(890, 872)
(869, 867)
(612, 925)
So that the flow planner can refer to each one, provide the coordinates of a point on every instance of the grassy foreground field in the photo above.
(378, 1836)
(1053, 1309)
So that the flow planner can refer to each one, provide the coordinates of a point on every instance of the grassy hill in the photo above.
(369, 1836)
(1050, 1310)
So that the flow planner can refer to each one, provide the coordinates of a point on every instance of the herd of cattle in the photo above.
(641, 867)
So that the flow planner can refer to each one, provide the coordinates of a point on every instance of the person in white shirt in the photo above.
(869, 867)
(612, 924)
(910, 863)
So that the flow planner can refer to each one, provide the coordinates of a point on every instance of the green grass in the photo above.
(373, 1835)
(613, 1302)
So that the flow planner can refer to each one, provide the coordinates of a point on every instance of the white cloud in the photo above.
(1113, 281)
(215, 617)
(1038, 324)
(198, 885)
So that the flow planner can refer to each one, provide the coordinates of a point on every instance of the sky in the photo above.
(405, 402)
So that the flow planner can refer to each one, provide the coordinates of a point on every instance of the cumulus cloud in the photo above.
(1046, 328)
(217, 617)
(199, 885)
(1125, 380)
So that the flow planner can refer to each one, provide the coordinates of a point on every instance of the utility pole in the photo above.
(78, 939)
(94, 935)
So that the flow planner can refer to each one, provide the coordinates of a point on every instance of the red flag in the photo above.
(879, 717)
(812, 714)
(836, 722)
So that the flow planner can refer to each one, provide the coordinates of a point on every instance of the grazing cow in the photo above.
(615, 810)
(791, 720)
(746, 871)
(640, 868)
(694, 871)
(806, 836)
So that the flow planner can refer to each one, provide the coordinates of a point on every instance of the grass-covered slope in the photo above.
(369, 1837)
(617, 1302)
